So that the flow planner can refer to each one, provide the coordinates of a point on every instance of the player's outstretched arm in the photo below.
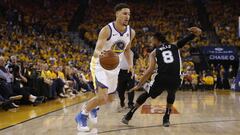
(148, 72)
(102, 38)
(195, 31)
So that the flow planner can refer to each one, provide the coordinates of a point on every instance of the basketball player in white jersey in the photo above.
(116, 36)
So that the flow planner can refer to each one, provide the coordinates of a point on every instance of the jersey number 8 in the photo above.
(167, 56)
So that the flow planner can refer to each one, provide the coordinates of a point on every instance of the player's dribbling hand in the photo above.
(195, 30)
(103, 52)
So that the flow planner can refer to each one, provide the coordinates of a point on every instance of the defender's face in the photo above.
(154, 42)
(123, 16)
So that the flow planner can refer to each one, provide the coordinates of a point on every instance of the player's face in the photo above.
(123, 16)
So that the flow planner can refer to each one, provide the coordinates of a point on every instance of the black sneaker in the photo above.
(127, 118)
(9, 105)
(166, 122)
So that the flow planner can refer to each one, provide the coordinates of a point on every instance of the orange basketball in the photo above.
(109, 60)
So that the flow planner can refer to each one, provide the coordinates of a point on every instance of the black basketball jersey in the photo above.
(168, 60)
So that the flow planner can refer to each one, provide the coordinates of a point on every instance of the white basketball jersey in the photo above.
(117, 42)
(124, 64)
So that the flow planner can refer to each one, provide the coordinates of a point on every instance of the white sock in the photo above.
(84, 111)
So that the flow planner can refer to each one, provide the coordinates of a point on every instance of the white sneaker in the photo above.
(82, 129)
(81, 120)
(93, 131)
(61, 95)
(93, 116)
(71, 94)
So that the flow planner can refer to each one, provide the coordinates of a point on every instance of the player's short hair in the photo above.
(160, 37)
(120, 6)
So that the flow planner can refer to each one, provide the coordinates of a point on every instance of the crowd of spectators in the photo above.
(225, 20)
(43, 16)
(216, 77)
(38, 60)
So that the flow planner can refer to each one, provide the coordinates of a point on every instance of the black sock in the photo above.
(141, 99)
(131, 112)
(168, 112)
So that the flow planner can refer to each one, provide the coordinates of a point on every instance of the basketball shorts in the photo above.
(159, 83)
(102, 78)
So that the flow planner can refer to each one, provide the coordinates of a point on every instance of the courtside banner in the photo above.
(223, 53)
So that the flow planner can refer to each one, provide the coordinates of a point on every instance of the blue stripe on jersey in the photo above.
(121, 34)
(110, 33)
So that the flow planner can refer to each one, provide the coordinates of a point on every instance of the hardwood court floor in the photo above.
(197, 113)
(28, 112)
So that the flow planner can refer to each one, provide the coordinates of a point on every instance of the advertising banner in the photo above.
(224, 53)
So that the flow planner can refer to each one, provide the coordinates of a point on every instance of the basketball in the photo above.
(109, 60)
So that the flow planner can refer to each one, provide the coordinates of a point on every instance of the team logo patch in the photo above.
(118, 46)
(156, 109)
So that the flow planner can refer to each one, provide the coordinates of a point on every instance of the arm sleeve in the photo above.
(186, 39)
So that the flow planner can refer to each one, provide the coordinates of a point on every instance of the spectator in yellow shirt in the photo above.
(209, 82)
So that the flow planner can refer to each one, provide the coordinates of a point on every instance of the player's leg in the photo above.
(140, 100)
(131, 83)
(153, 92)
(170, 101)
(108, 98)
(101, 98)
(121, 88)
(82, 117)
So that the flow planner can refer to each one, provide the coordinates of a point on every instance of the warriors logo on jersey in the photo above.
(118, 46)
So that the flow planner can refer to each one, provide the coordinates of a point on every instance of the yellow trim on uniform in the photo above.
(93, 65)
(118, 51)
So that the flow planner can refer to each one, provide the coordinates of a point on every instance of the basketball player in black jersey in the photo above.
(168, 61)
